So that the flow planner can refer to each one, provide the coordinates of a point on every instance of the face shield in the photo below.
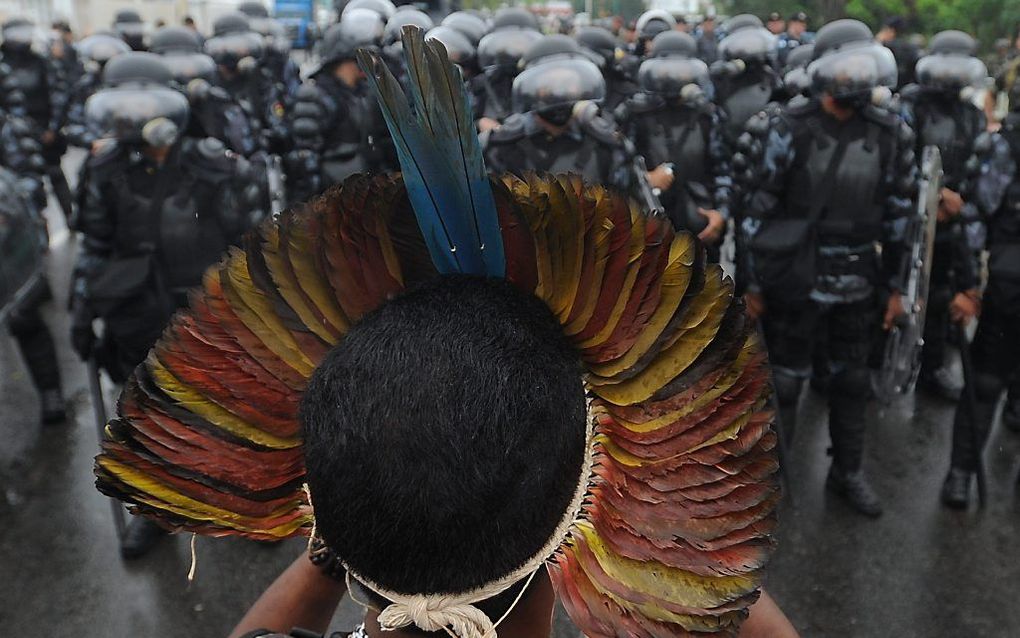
(749, 45)
(100, 48)
(950, 72)
(22, 38)
(137, 113)
(506, 48)
(228, 50)
(670, 76)
(186, 67)
(853, 70)
(558, 84)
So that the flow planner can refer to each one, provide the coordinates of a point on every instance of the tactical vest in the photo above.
(351, 145)
(28, 76)
(746, 96)
(952, 129)
(681, 136)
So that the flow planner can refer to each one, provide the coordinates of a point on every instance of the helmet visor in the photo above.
(559, 82)
(122, 112)
(853, 70)
(185, 67)
(505, 48)
(751, 44)
(668, 76)
(950, 72)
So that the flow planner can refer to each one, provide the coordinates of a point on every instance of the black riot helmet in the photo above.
(384, 8)
(137, 103)
(18, 35)
(253, 9)
(743, 21)
(233, 22)
(552, 87)
(505, 48)
(848, 63)
(274, 34)
(175, 40)
(230, 49)
(99, 48)
(950, 64)
(129, 26)
(473, 27)
(652, 23)
(458, 46)
(750, 45)
(795, 74)
(675, 76)
(599, 41)
(952, 42)
(405, 17)
(673, 44)
(186, 67)
(515, 18)
(360, 28)
(552, 47)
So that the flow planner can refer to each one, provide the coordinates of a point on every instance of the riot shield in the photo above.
(22, 244)
(901, 362)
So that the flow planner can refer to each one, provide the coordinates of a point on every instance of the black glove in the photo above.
(83, 338)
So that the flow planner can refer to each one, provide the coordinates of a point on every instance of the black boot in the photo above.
(53, 409)
(956, 489)
(941, 382)
(140, 536)
(856, 490)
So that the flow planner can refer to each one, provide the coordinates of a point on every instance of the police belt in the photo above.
(843, 261)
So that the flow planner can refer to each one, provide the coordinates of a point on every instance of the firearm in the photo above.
(647, 196)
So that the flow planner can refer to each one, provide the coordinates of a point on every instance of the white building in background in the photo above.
(88, 16)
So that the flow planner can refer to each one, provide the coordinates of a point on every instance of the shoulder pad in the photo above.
(799, 101)
(603, 130)
(910, 92)
(644, 103)
(208, 159)
(801, 108)
(107, 158)
(512, 129)
(882, 117)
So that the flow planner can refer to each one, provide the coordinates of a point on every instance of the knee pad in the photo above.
(787, 384)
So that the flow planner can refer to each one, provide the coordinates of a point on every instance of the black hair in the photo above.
(444, 436)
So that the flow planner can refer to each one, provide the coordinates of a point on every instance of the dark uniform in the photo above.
(336, 126)
(547, 134)
(673, 122)
(619, 86)
(744, 76)
(156, 211)
(828, 194)
(942, 119)
(22, 244)
(498, 56)
(32, 86)
(995, 350)
(95, 51)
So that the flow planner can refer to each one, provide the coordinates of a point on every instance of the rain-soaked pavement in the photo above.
(920, 570)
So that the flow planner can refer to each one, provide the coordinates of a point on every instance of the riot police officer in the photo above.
(213, 111)
(499, 54)
(549, 131)
(943, 116)
(744, 76)
(157, 210)
(650, 24)
(995, 350)
(94, 51)
(459, 47)
(392, 44)
(22, 247)
(238, 52)
(468, 24)
(836, 177)
(792, 37)
(276, 47)
(678, 130)
(127, 23)
(32, 87)
(603, 44)
(336, 125)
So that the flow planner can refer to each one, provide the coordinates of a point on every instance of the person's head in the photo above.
(796, 25)
(348, 72)
(708, 25)
(63, 29)
(189, 22)
(891, 29)
(849, 66)
(359, 28)
(775, 23)
(445, 437)
(681, 25)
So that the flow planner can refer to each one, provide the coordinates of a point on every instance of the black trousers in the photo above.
(845, 331)
(35, 341)
(995, 356)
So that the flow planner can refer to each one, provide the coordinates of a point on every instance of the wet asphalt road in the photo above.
(920, 570)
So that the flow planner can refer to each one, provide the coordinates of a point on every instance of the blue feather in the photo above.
(440, 157)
